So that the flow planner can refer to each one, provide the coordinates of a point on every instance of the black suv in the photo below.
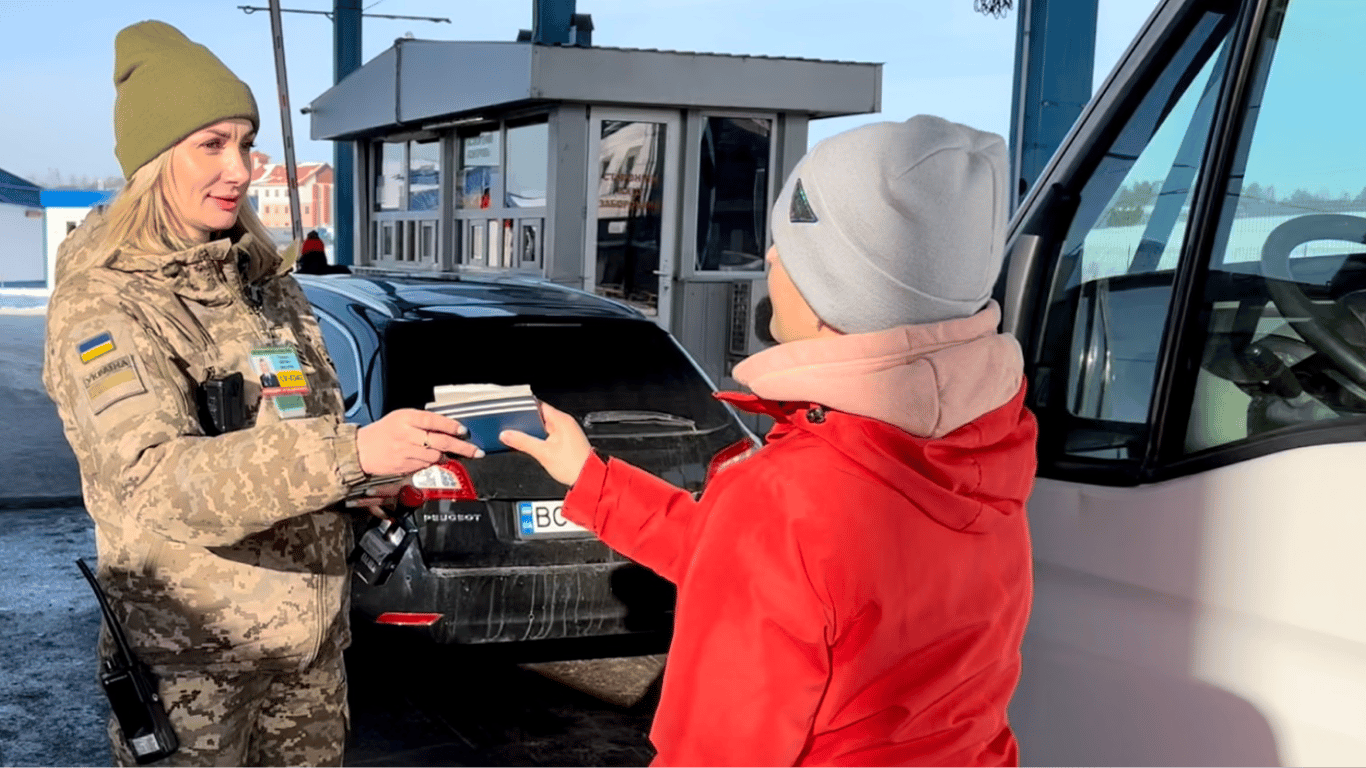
(499, 563)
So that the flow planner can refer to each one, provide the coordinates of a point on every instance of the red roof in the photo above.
(274, 174)
(260, 163)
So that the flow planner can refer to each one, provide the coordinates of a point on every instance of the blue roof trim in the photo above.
(17, 191)
(76, 198)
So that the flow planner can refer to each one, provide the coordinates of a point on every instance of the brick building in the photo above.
(269, 193)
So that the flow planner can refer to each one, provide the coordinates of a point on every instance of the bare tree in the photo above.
(995, 8)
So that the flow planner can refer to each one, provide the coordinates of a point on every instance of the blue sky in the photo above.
(939, 56)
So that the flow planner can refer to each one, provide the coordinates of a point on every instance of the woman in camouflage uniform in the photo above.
(221, 538)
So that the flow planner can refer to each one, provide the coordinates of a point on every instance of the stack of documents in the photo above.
(487, 409)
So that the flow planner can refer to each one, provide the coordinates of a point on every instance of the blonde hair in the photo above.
(143, 219)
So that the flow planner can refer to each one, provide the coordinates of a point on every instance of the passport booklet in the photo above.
(487, 409)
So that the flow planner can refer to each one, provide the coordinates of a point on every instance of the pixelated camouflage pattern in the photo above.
(227, 552)
(253, 718)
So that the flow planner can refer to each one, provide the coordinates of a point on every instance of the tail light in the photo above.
(447, 479)
(408, 619)
(729, 455)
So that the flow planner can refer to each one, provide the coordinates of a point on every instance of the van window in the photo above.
(1109, 284)
(1284, 304)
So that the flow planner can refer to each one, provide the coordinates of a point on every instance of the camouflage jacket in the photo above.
(227, 551)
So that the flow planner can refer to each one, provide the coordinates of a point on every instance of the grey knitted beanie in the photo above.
(892, 224)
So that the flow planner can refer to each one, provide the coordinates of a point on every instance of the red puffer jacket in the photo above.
(850, 594)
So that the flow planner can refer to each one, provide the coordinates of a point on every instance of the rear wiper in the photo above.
(637, 417)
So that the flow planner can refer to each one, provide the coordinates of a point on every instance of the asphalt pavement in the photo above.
(37, 467)
(51, 708)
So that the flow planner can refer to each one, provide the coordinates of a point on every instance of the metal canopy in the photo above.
(418, 83)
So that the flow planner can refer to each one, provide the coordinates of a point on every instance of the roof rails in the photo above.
(456, 273)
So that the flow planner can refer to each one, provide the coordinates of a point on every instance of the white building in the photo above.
(21, 232)
(63, 211)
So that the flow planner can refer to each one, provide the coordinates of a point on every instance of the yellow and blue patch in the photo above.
(95, 347)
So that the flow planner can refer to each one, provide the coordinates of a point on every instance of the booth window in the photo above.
(732, 194)
(528, 163)
(389, 176)
(407, 201)
(424, 175)
(480, 156)
(501, 193)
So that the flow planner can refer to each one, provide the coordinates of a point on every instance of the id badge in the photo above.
(282, 379)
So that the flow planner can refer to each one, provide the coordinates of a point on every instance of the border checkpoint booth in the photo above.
(642, 175)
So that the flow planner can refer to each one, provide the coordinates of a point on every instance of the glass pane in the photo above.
(509, 248)
(424, 176)
(1110, 287)
(428, 240)
(389, 177)
(530, 242)
(479, 159)
(494, 241)
(1285, 301)
(476, 252)
(528, 162)
(630, 212)
(732, 194)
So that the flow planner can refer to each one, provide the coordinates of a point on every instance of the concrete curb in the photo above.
(40, 502)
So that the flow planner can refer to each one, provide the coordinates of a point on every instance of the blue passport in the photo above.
(488, 409)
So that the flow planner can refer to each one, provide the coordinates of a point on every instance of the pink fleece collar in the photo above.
(926, 379)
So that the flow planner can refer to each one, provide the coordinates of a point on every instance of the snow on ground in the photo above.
(23, 301)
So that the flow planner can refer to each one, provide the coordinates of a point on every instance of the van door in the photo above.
(1189, 284)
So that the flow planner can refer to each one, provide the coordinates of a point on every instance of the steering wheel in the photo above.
(1316, 324)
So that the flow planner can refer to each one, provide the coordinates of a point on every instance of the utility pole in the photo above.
(286, 124)
(1055, 55)
(346, 53)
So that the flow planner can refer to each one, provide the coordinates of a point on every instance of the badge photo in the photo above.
(282, 379)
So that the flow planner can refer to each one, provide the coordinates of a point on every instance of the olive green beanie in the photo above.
(168, 87)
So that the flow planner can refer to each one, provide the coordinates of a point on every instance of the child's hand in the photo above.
(564, 450)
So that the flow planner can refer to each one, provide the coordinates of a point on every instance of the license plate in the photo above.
(545, 519)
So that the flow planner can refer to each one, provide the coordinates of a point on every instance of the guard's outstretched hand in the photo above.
(408, 440)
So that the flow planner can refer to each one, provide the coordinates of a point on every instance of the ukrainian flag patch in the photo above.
(95, 347)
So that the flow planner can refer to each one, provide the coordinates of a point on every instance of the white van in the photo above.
(1188, 279)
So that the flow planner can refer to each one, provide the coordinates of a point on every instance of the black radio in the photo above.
(132, 691)
(380, 549)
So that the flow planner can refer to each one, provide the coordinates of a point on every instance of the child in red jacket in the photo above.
(855, 592)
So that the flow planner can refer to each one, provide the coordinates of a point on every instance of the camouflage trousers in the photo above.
(252, 718)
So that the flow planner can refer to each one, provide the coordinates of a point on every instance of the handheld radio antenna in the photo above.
(110, 620)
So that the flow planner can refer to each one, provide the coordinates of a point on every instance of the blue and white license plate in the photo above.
(545, 519)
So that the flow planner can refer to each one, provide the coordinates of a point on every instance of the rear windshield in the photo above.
(580, 367)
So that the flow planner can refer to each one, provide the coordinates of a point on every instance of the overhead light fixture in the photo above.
(454, 123)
